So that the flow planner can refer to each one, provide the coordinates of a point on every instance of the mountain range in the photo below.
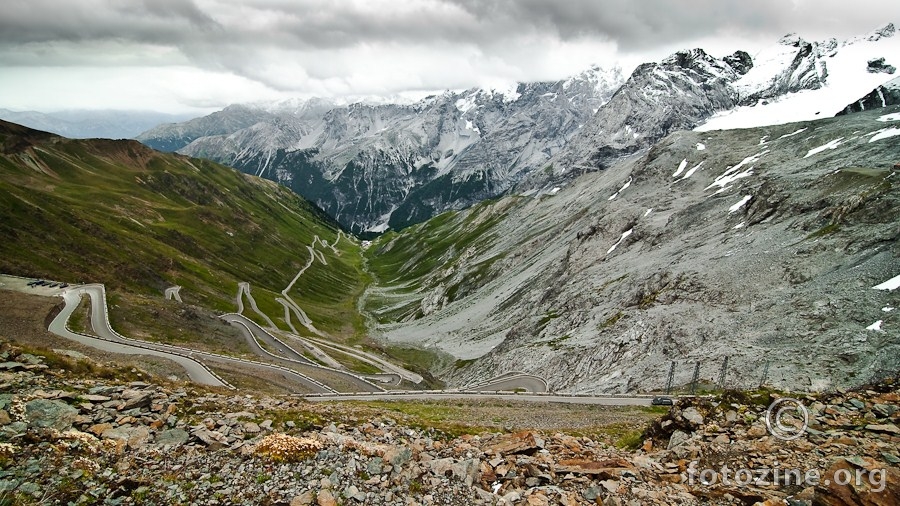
(374, 167)
(91, 124)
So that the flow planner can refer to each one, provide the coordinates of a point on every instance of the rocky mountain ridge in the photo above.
(375, 167)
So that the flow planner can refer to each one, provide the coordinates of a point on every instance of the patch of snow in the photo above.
(382, 227)
(627, 184)
(691, 172)
(740, 204)
(466, 104)
(555, 190)
(624, 235)
(731, 175)
(796, 132)
(471, 126)
(740, 225)
(648, 212)
(701, 146)
(510, 92)
(891, 284)
(763, 140)
(890, 117)
(681, 168)
(887, 309)
(885, 134)
(876, 326)
(831, 145)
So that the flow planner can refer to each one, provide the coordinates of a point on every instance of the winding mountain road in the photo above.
(244, 289)
(291, 358)
(109, 341)
(174, 293)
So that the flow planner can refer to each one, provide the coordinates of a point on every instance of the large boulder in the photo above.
(49, 414)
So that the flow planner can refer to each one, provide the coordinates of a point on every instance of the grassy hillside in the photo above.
(119, 213)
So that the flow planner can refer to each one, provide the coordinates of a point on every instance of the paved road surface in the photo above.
(375, 360)
(302, 366)
(174, 293)
(449, 395)
(282, 348)
(195, 370)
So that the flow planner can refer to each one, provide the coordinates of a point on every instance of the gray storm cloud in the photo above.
(317, 45)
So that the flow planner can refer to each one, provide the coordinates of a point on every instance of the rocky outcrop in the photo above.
(659, 98)
(877, 65)
(885, 95)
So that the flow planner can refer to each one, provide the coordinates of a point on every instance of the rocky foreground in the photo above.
(66, 440)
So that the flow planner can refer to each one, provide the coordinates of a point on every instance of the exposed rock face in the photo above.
(878, 65)
(657, 99)
(885, 95)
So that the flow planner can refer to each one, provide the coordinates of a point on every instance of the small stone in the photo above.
(325, 498)
(354, 493)
(757, 431)
(591, 493)
(43, 413)
(884, 410)
(692, 415)
(890, 458)
(140, 401)
(678, 438)
(374, 466)
(858, 404)
(304, 499)
(721, 439)
(888, 428)
(174, 437)
(538, 499)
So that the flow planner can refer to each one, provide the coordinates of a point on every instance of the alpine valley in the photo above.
(591, 231)
(594, 230)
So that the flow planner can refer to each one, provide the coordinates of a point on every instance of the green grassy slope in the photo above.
(119, 213)
(447, 250)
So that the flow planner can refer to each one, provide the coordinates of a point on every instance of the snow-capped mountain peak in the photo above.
(796, 80)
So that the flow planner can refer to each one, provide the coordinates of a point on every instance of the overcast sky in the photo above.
(201, 55)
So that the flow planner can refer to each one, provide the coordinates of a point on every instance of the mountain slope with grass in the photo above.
(762, 245)
(140, 221)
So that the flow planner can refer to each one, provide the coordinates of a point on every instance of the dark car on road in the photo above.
(662, 401)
